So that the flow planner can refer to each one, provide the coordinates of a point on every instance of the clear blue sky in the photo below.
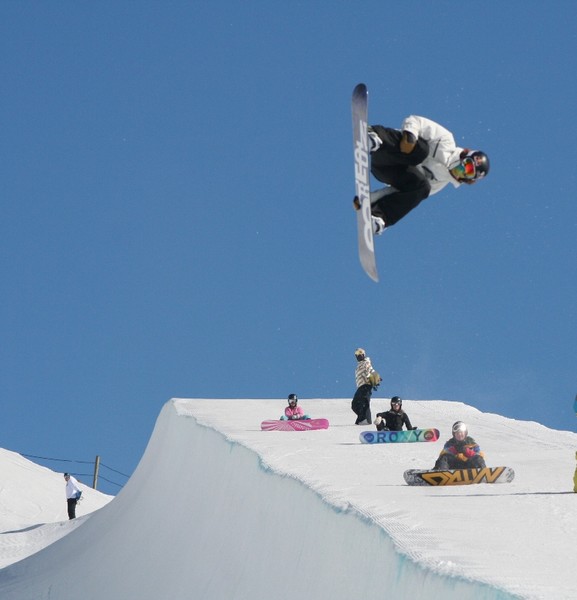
(176, 184)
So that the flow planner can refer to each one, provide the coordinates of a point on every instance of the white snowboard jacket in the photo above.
(72, 488)
(443, 152)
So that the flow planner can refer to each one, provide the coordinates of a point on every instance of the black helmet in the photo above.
(396, 400)
(472, 165)
(292, 398)
(481, 161)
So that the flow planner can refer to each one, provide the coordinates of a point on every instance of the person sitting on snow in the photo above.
(460, 452)
(292, 411)
(393, 419)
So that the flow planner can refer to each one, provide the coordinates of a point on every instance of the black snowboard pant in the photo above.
(390, 165)
(448, 461)
(72, 502)
(361, 403)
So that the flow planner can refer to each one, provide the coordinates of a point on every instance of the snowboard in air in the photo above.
(459, 476)
(295, 425)
(362, 200)
(395, 437)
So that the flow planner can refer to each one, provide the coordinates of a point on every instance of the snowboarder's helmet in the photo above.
(460, 426)
(292, 399)
(476, 164)
(395, 400)
(360, 354)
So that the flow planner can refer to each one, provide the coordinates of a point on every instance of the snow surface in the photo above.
(33, 511)
(219, 509)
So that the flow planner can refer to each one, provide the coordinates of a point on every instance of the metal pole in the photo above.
(96, 468)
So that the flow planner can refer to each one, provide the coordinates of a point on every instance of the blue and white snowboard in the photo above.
(395, 437)
(362, 180)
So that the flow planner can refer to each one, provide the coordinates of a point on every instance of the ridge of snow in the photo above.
(218, 508)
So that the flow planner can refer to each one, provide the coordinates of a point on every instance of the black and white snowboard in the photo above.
(362, 180)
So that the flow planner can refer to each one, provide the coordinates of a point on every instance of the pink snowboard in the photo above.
(296, 425)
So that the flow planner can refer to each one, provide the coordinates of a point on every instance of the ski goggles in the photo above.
(467, 168)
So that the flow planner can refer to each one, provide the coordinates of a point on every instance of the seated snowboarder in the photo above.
(460, 452)
(393, 419)
(416, 162)
(293, 412)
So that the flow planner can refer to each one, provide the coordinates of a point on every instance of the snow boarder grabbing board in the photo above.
(415, 162)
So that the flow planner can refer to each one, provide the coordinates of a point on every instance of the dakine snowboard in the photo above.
(388, 437)
(362, 181)
(459, 476)
(295, 425)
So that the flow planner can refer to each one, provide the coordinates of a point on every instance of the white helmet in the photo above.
(460, 426)
(360, 354)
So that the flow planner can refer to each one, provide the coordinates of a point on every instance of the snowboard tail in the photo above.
(295, 425)
(459, 476)
(393, 437)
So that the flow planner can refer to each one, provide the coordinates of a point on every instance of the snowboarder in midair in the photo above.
(460, 452)
(416, 162)
(367, 379)
(393, 419)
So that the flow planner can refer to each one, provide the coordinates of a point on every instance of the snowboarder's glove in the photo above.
(469, 452)
(408, 142)
(375, 379)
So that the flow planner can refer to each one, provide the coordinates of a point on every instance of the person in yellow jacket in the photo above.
(575, 474)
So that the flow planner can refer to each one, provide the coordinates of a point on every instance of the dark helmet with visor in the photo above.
(473, 165)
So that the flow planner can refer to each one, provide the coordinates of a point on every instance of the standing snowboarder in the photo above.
(393, 419)
(366, 379)
(416, 162)
(460, 452)
(73, 494)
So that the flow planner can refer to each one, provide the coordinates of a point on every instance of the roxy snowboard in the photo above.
(459, 476)
(362, 181)
(389, 437)
(295, 425)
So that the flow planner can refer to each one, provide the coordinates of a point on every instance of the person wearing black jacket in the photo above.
(393, 419)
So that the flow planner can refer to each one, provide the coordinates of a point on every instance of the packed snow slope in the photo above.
(33, 510)
(218, 509)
